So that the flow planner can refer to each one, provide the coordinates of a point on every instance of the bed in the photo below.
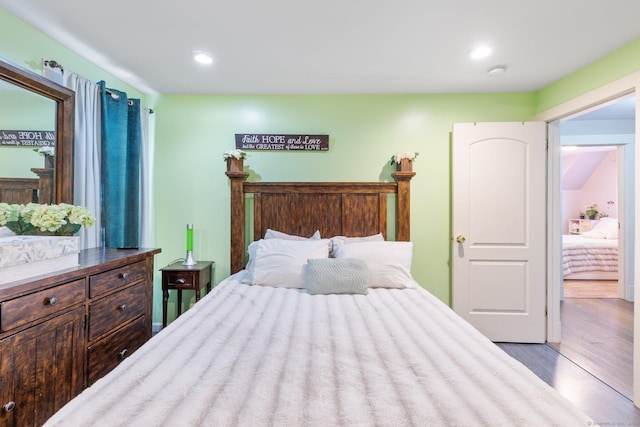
(297, 337)
(592, 255)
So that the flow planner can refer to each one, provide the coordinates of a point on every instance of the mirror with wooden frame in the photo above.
(61, 184)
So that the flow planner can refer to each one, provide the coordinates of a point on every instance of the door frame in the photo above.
(619, 88)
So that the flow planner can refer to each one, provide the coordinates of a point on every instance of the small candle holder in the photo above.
(189, 260)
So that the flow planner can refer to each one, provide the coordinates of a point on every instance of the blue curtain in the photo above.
(120, 168)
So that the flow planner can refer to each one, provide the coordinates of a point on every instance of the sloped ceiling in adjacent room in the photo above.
(593, 135)
(578, 167)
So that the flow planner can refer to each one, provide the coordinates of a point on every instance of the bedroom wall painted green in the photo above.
(611, 67)
(28, 47)
(365, 130)
(192, 131)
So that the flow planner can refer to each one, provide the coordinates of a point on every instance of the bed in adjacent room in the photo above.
(592, 255)
(323, 326)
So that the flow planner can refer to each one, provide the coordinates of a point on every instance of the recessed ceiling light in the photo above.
(496, 70)
(480, 52)
(202, 57)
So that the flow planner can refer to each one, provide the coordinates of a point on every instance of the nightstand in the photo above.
(184, 277)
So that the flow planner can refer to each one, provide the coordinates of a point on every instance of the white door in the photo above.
(499, 229)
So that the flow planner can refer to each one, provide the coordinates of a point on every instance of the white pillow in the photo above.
(273, 234)
(594, 234)
(605, 228)
(280, 262)
(605, 222)
(389, 262)
(608, 226)
(5, 232)
(338, 241)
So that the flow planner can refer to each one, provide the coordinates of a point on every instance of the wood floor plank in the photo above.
(593, 366)
(597, 334)
(595, 398)
(590, 289)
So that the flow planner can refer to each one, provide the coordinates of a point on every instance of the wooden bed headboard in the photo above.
(301, 208)
(19, 190)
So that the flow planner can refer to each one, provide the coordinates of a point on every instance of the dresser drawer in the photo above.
(118, 308)
(107, 353)
(109, 280)
(25, 309)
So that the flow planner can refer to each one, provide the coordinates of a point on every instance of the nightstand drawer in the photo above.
(183, 279)
(110, 312)
(109, 280)
(107, 353)
(25, 309)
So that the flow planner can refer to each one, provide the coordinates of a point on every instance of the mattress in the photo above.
(259, 355)
(581, 254)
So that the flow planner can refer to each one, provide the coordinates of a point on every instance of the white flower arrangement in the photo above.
(46, 151)
(398, 157)
(33, 218)
(234, 154)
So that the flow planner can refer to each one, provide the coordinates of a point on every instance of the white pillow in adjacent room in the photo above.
(389, 262)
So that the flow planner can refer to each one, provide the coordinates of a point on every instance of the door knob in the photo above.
(460, 238)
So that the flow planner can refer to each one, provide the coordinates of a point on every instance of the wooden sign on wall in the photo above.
(275, 142)
(27, 138)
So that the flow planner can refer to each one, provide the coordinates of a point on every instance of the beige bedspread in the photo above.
(253, 356)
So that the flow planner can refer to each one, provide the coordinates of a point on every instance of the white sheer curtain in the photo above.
(86, 167)
(147, 223)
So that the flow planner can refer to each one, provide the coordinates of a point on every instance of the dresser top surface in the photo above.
(91, 261)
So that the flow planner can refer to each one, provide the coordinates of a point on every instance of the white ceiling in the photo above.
(335, 46)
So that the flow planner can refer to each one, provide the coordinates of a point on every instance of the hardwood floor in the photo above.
(597, 334)
(593, 366)
(595, 398)
(591, 289)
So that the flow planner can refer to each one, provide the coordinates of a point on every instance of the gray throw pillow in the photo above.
(336, 276)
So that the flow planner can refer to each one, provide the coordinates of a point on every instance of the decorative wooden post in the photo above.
(235, 165)
(237, 179)
(403, 204)
(45, 184)
(405, 165)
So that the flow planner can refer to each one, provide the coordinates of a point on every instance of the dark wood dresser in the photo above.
(62, 331)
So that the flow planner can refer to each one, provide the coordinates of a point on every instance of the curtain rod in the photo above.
(116, 96)
(55, 64)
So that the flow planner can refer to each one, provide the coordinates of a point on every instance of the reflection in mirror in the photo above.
(25, 174)
(63, 100)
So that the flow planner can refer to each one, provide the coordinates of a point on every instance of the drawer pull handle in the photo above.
(51, 301)
(123, 307)
(180, 281)
(124, 276)
(8, 407)
(122, 354)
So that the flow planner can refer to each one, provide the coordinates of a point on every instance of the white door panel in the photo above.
(499, 208)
